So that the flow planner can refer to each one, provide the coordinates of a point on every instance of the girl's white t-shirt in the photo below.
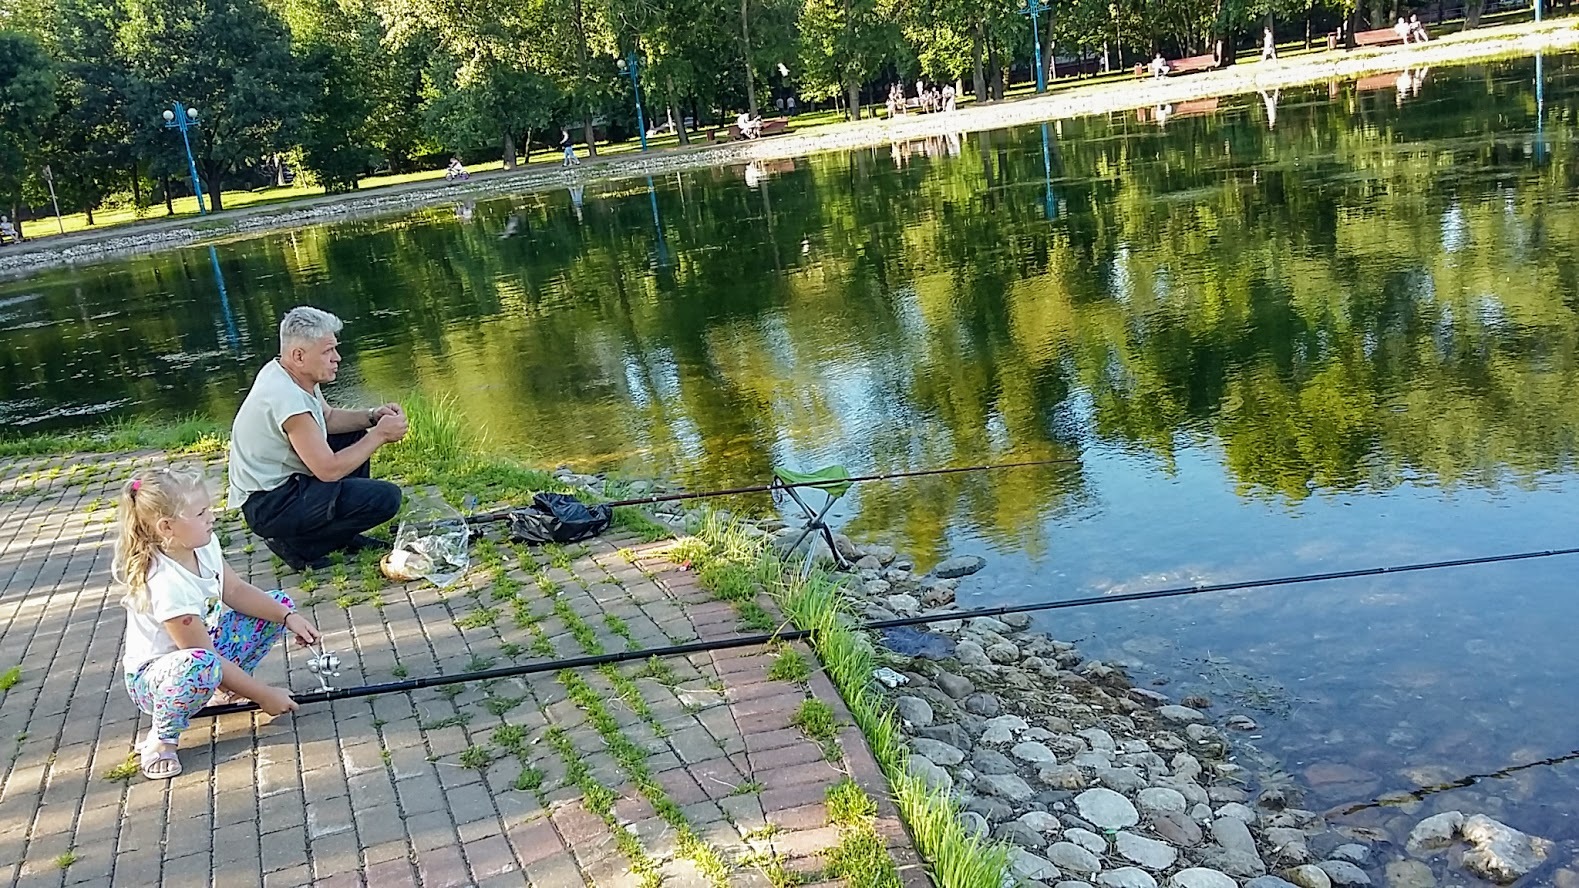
(173, 591)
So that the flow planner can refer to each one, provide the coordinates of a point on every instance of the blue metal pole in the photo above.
(641, 121)
(1036, 40)
(180, 123)
(1047, 177)
(224, 299)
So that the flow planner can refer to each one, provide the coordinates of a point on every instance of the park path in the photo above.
(685, 771)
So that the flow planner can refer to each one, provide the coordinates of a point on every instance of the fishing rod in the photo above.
(1420, 793)
(697, 647)
(501, 514)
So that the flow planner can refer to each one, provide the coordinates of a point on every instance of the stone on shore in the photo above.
(1149, 853)
(1106, 809)
(1159, 800)
(1025, 865)
(1344, 874)
(959, 566)
(927, 771)
(1435, 832)
(914, 710)
(1180, 714)
(937, 751)
(1072, 857)
(1308, 876)
(1409, 874)
(1126, 877)
(1501, 853)
(1201, 877)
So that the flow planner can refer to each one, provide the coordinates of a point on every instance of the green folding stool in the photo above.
(833, 482)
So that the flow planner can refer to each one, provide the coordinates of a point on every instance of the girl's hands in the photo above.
(306, 633)
(275, 701)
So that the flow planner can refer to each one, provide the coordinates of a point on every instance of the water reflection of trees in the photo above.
(1365, 293)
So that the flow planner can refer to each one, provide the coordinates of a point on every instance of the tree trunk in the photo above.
(17, 217)
(215, 201)
(87, 209)
(995, 70)
(169, 205)
(1307, 27)
(137, 190)
(679, 122)
(745, 49)
(581, 64)
(279, 171)
(855, 100)
(979, 74)
(590, 134)
(1472, 13)
(509, 150)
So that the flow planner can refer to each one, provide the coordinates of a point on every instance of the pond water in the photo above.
(1326, 328)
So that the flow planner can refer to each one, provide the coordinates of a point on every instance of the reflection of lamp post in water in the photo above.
(1034, 8)
(224, 298)
(1540, 104)
(661, 250)
(629, 65)
(1050, 206)
(181, 117)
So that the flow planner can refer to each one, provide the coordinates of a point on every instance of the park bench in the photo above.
(1189, 65)
(1377, 37)
(771, 126)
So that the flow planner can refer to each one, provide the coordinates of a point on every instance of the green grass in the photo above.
(66, 858)
(510, 738)
(477, 619)
(400, 671)
(192, 435)
(816, 720)
(459, 719)
(529, 780)
(125, 770)
(476, 757)
(789, 665)
(818, 603)
(10, 678)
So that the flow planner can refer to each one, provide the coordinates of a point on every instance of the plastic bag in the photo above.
(431, 543)
(558, 518)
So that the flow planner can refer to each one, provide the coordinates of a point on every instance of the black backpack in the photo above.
(558, 518)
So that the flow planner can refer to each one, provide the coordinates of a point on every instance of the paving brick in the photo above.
(490, 857)
(442, 868)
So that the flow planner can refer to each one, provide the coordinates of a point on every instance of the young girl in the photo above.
(181, 644)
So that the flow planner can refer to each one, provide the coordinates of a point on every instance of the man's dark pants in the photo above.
(311, 518)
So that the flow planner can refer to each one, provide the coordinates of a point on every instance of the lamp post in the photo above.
(182, 117)
(630, 65)
(1034, 8)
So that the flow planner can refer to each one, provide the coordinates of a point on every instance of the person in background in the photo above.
(568, 145)
(1159, 67)
(1417, 30)
(1268, 45)
(456, 171)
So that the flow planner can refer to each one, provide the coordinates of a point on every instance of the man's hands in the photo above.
(389, 423)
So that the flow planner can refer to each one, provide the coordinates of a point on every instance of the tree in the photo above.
(229, 58)
(843, 43)
(27, 99)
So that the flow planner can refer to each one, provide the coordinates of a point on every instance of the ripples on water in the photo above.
(1343, 340)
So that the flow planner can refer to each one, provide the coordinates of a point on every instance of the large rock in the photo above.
(1242, 864)
(1026, 865)
(1200, 877)
(1034, 752)
(927, 771)
(1017, 833)
(1041, 821)
(1086, 839)
(959, 566)
(956, 686)
(1106, 809)
(939, 752)
(1063, 777)
(1003, 652)
(1357, 854)
(1268, 882)
(974, 824)
(969, 653)
(1149, 853)
(1308, 876)
(1435, 832)
(1009, 787)
(1501, 853)
(991, 761)
(1122, 780)
(1001, 731)
(1344, 874)
(1178, 829)
(1183, 715)
(1159, 800)
(1072, 857)
(914, 710)
(1126, 877)
(1409, 874)
(1233, 835)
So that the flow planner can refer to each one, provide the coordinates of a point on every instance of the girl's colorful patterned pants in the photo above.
(179, 683)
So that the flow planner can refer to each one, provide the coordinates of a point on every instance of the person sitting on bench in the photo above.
(750, 127)
(1159, 66)
(299, 469)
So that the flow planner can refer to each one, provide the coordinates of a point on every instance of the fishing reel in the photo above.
(323, 663)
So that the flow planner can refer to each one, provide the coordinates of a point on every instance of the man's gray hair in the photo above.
(305, 325)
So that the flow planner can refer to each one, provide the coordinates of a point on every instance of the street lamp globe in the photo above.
(191, 112)
(621, 64)
(168, 115)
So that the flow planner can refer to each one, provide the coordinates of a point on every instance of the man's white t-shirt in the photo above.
(173, 591)
(261, 456)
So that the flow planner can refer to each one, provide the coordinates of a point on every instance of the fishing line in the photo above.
(1395, 799)
(698, 647)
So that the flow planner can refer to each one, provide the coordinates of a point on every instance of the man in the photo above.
(299, 469)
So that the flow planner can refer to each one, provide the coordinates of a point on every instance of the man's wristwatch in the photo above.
(372, 417)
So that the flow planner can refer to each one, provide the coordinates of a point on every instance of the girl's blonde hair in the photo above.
(150, 495)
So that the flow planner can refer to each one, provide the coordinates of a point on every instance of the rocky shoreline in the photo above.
(1094, 782)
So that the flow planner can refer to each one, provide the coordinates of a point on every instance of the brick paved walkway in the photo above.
(686, 770)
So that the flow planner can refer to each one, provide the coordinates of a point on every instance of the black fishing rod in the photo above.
(697, 647)
(1420, 793)
(501, 514)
